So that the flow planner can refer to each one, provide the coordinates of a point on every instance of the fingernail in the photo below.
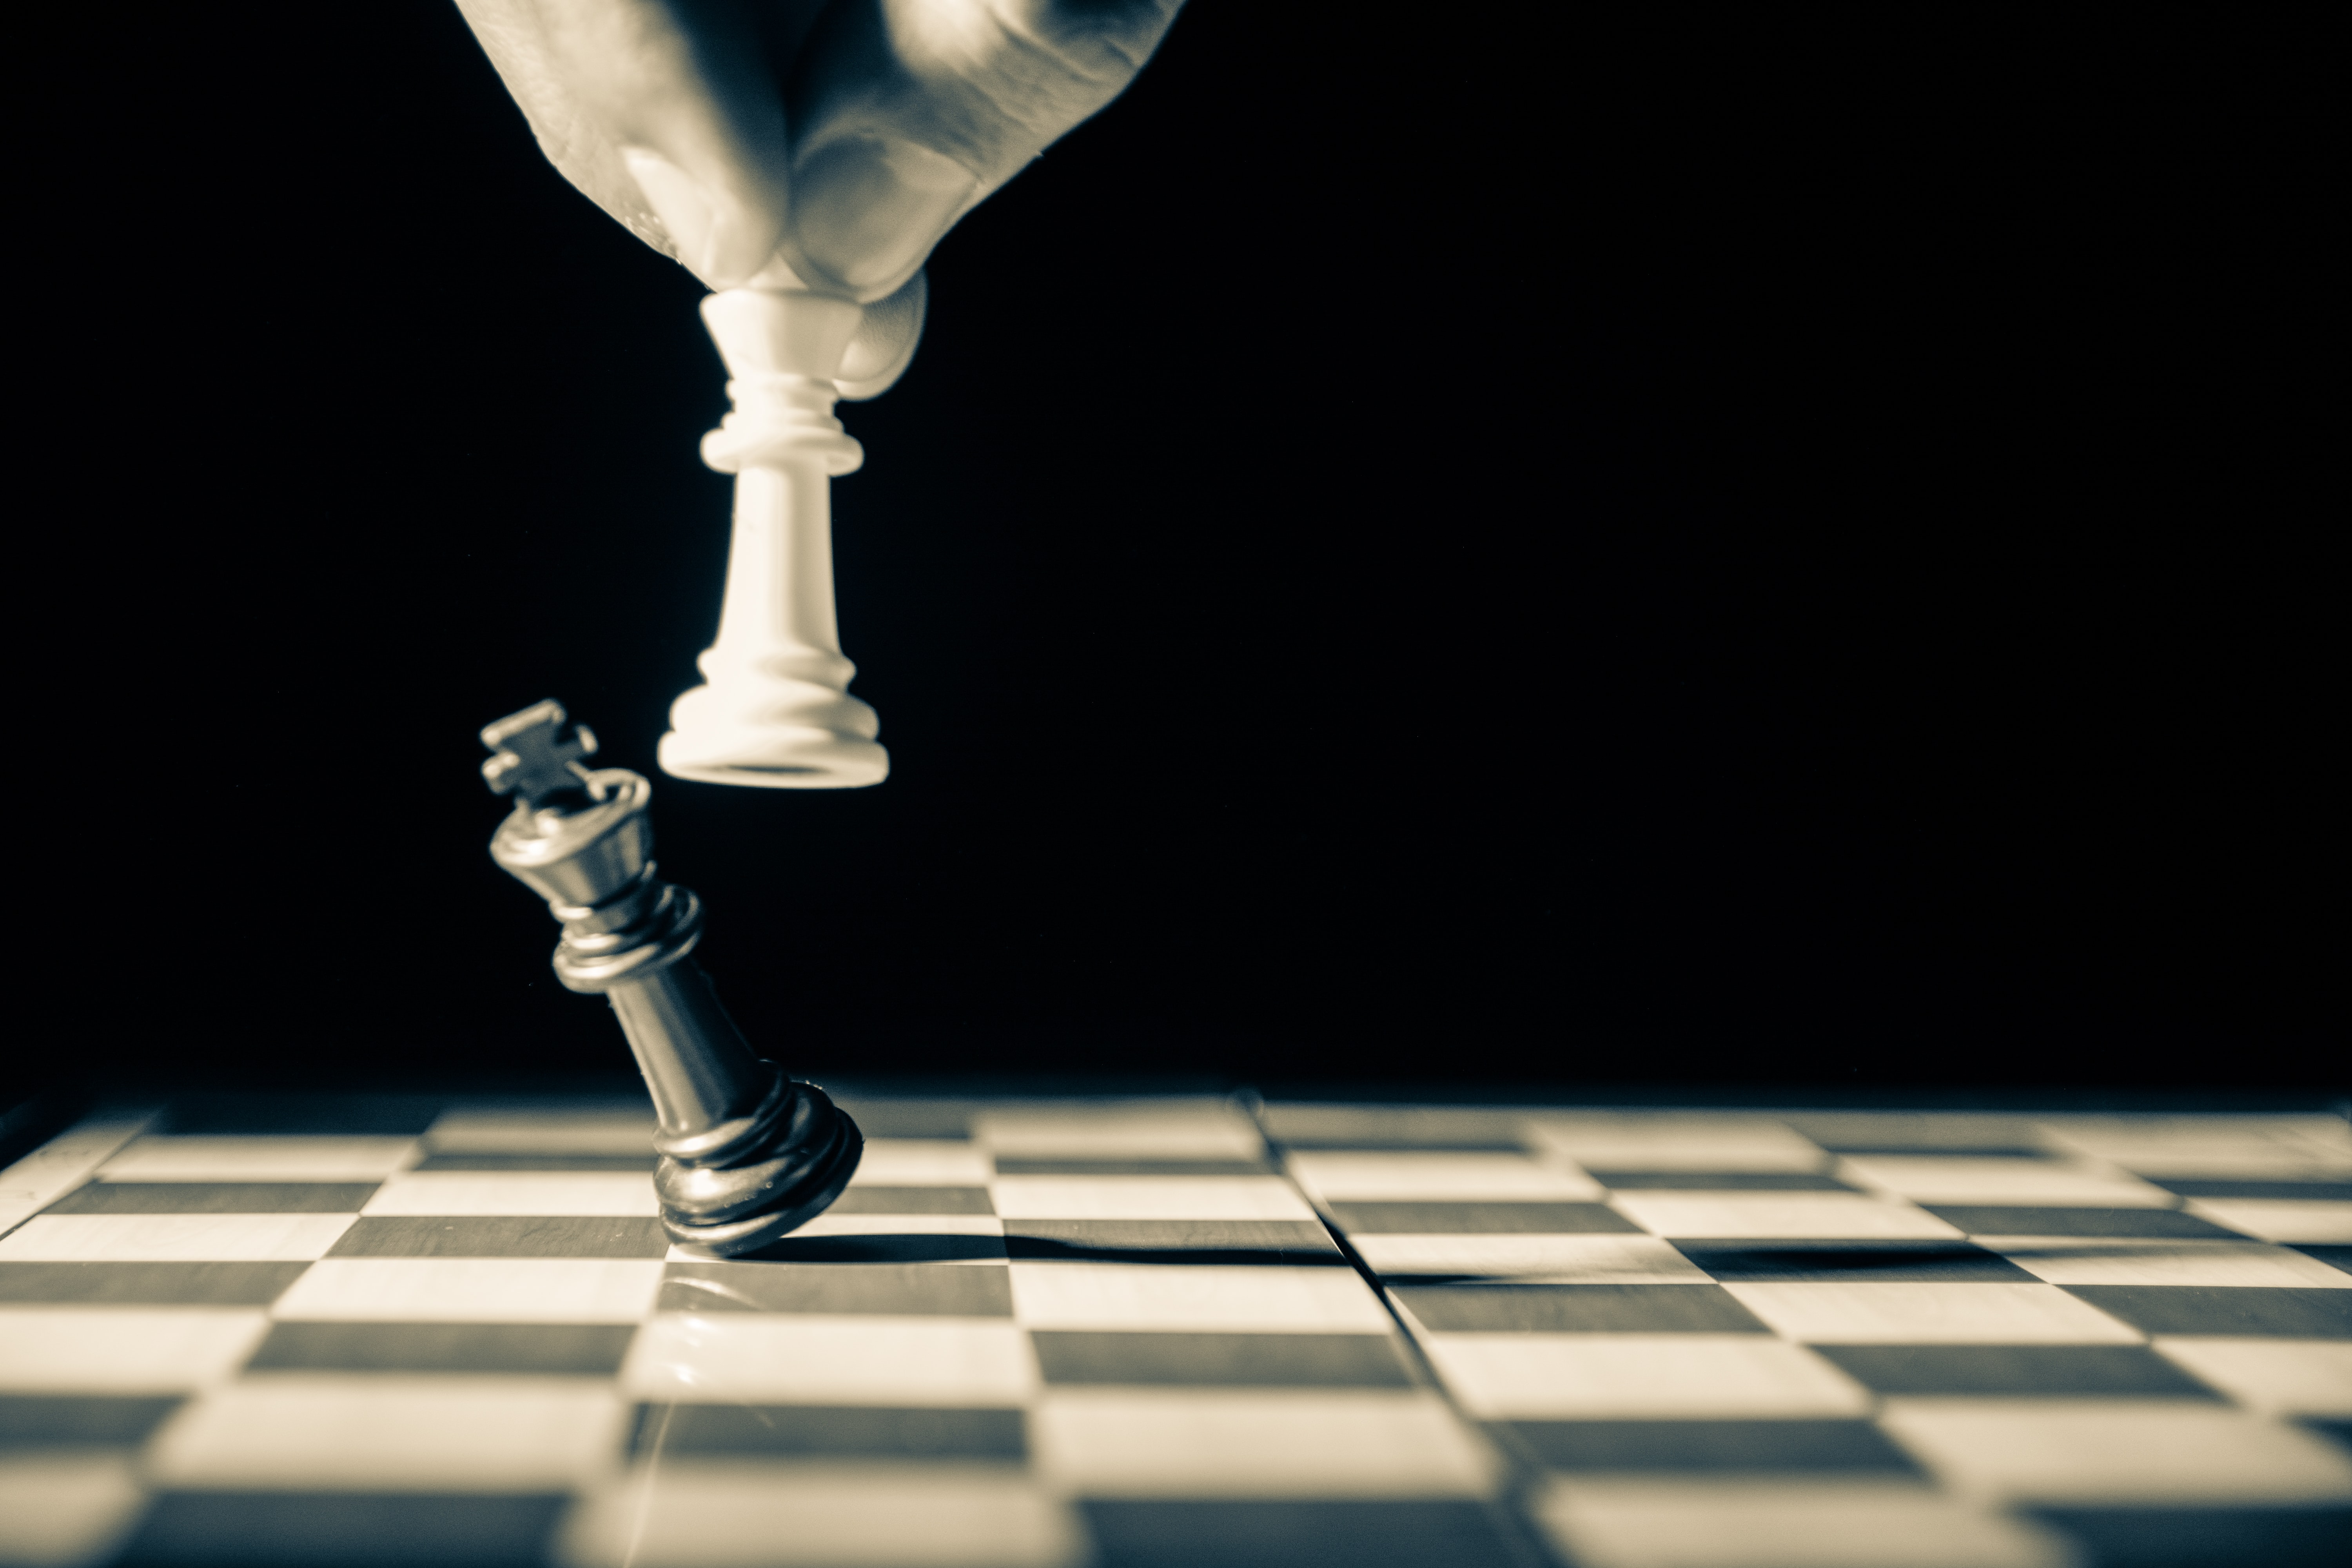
(716, 240)
(867, 210)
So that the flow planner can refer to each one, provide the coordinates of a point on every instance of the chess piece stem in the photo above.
(775, 710)
(748, 1155)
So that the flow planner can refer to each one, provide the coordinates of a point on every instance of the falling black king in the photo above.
(747, 1152)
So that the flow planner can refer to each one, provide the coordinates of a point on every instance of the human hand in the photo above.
(816, 144)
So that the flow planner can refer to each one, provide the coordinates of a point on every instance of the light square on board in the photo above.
(1473, 1218)
(270, 1113)
(813, 1359)
(275, 1113)
(1021, 1165)
(1623, 1180)
(2217, 1146)
(643, 1165)
(2291, 1162)
(1930, 1314)
(1921, 1131)
(383, 1433)
(475, 1290)
(1785, 1524)
(855, 1222)
(1208, 1443)
(2108, 1133)
(1675, 1141)
(553, 1192)
(1638, 1376)
(1241, 1298)
(1199, 1128)
(922, 1163)
(1410, 1175)
(2065, 1219)
(1933, 1178)
(1148, 1197)
(68, 1507)
(891, 1199)
(973, 1251)
(2280, 1219)
(1594, 1259)
(1313, 1126)
(2280, 1377)
(556, 1128)
(2099, 1260)
(743, 1514)
(65, 1162)
(260, 1159)
(907, 1116)
(174, 1238)
(123, 1350)
(2129, 1451)
(1735, 1217)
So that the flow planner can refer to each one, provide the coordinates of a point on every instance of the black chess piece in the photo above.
(747, 1153)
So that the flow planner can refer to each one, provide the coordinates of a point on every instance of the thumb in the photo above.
(885, 344)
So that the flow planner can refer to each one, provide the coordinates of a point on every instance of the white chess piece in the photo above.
(777, 711)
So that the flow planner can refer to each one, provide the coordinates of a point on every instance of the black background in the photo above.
(1687, 548)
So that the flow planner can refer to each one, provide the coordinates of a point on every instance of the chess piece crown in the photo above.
(747, 1152)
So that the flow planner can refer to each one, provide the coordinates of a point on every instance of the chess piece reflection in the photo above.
(747, 1153)
(776, 710)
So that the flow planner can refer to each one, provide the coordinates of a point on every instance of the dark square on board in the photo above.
(1578, 1310)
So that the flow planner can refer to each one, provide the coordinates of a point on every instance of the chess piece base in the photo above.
(775, 759)
(793, 1159)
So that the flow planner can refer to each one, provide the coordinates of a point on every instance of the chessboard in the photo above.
(1048, 1333)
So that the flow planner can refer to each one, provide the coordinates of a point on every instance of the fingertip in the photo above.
(718, 237)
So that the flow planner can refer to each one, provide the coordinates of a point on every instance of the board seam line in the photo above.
(1513, 1509)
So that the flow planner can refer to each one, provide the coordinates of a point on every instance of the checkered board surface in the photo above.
(1046, 1334)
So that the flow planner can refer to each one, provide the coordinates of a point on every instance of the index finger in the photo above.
(663, 114)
